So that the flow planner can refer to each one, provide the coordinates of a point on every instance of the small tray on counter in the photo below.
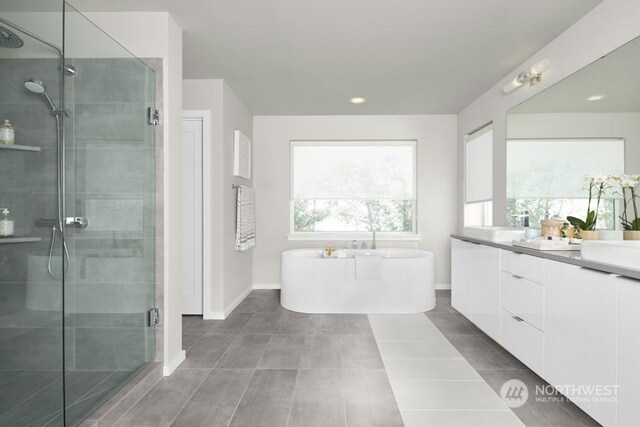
(547, 245)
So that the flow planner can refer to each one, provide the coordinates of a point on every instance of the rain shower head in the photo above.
(38, 86)
(9, 39)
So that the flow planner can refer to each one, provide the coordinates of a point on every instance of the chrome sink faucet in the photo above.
(354, 244)
(373, 245)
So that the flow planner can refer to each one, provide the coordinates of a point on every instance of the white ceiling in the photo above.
(311, 56)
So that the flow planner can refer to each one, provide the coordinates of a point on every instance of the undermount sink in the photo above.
(623, 253)
(494, 234)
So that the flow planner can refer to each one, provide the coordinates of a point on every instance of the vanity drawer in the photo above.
(522, 265)
(523, 341)
(524, 298)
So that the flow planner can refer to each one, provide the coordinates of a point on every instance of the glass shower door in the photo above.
(110, 198)
(31, 297)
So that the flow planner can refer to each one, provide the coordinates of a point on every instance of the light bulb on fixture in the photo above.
(533, 76)
(540, 67)
(357, 100)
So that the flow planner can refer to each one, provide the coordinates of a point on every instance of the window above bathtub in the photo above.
(347, 189)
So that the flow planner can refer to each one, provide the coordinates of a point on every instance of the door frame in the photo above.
(207, 250)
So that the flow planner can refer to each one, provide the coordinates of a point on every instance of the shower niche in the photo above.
(77, 278)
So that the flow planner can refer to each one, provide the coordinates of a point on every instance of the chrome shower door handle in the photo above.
(77, 221)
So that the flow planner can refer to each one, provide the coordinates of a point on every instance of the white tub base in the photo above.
(312, 284)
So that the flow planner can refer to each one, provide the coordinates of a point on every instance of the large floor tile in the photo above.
(423, 334)
(244, 352)
(165, 400)
(552, 412)
(195, 325)
(283, 352)
(421, 418)
(446, 395)
(318, 400)
(324, 324)
(292, 323)
(321, 351)
(417, 350)
(267, 399)
(207, 351)
(261, 323)
(354, 324)
(399, 320)
(231, 325)
(216, 400)
(359, 352)
(431, 370)
(479, 353)
(368, 399)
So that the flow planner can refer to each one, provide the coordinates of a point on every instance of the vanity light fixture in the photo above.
(533, 76)
(595, 98)
(358, 100)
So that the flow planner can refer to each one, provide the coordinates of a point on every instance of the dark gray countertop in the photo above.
(569, 257)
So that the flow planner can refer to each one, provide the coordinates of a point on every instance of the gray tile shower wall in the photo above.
(30, 303)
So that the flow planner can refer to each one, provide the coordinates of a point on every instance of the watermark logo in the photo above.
(514, 393)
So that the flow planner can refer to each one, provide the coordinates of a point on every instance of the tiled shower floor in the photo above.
(33, 398)
(266, 366)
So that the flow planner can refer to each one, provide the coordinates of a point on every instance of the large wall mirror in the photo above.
(587, 124)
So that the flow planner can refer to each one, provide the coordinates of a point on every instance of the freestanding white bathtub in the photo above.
(397, 281)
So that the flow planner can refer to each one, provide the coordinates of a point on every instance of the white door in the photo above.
(192, 215)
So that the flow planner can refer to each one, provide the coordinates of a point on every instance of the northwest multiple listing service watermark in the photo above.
(515, 393)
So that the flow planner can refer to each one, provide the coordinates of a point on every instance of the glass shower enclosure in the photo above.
(77, 246)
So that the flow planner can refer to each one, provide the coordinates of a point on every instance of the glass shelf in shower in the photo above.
(20, 239)
(18, 147)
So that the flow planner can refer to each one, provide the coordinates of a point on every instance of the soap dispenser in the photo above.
(6, 224)
(7, 133)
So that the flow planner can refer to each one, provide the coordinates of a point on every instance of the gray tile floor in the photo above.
(265, 366)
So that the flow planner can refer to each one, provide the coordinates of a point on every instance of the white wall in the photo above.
(231, 272)
(605, 28)
(156, 35)
(436, 136)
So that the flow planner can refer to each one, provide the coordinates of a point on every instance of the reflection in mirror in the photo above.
(587, 124)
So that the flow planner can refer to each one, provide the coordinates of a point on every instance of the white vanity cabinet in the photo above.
(461, 255)
(628, 352)
(522, 302)
(475, 284)
(580, 339)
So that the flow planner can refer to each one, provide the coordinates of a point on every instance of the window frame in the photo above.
(353, 235)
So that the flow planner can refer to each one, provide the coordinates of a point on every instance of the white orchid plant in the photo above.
(628, 187)
(597, 186)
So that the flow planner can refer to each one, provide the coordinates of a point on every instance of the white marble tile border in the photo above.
(431, 381)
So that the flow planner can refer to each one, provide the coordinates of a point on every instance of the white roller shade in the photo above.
(479, 166)
(353, 170)
(556, 168)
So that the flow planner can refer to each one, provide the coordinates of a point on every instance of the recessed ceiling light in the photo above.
(596, 98)
(358, 100)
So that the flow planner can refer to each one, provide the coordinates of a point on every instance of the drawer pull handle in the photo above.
(515, 276)
(518, 319)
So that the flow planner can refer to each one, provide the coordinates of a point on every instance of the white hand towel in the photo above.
(245, 220)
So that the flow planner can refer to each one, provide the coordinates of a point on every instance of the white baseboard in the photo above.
(443, 286)
(267, 286)
(221, 315)
(173, 364)
(214, 315)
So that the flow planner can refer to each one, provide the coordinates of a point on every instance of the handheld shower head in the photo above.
(35, 86)
(38, 87)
